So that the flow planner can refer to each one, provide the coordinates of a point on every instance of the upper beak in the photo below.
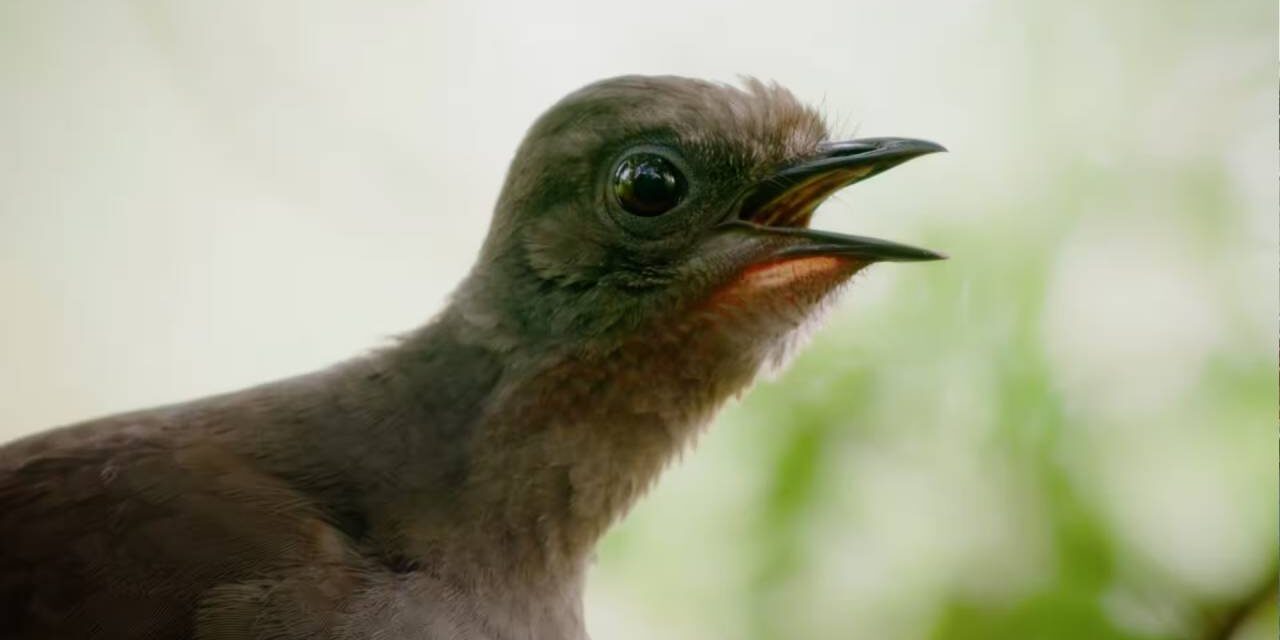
(781, 204)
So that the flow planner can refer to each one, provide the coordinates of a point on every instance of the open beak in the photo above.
(781, 205)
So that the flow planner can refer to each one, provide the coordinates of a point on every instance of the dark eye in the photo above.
(648, 185)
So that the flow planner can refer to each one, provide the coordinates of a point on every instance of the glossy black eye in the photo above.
(648, 184)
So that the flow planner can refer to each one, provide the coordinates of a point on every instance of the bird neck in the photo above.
(558, 444)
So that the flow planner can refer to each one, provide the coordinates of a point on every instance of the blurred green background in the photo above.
(1066, 431)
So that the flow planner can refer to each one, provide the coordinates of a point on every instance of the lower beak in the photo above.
(781, 204)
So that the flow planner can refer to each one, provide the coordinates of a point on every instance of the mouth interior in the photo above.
(783, 204)
(789, 197)
(794, 207)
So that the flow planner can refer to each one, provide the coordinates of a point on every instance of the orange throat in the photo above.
(794, 279)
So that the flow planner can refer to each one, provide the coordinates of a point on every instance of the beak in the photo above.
(781, 204)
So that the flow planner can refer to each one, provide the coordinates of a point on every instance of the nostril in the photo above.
(844, 148)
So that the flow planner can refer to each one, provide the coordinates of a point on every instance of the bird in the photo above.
(649, 254)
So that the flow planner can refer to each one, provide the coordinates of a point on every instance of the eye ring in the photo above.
(648, 185)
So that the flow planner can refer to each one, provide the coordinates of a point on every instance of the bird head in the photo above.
(637, 204)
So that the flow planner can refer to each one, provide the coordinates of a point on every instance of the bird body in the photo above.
(648, 255)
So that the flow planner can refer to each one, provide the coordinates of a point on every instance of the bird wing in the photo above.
(115, 529)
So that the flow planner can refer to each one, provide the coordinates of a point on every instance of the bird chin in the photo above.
(834, 277)
(774, 306)
(784, 349)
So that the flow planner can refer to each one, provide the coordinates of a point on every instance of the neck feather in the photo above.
(558, 444)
